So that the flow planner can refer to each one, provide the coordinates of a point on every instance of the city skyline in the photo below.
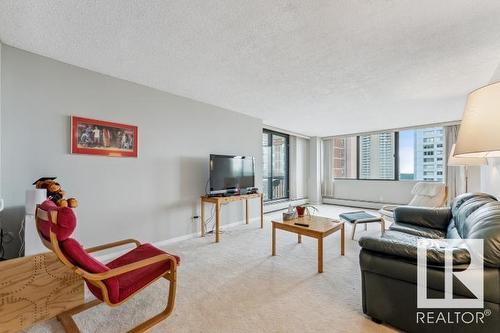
(420, 155)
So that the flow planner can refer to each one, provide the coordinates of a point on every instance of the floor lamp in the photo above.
(465, 162)
(479, 134)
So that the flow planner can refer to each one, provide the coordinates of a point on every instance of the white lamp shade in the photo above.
(465, 161)
(479, 134)
(33, 198)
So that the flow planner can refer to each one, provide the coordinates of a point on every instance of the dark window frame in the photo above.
(438, 158)
(270, 133)
(358, 167)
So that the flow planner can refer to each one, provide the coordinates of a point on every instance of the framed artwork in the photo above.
(97, 137)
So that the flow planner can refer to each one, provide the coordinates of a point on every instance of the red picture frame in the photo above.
(104, 138)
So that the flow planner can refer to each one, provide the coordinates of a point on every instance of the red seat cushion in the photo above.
(124, 285)
(135, 280)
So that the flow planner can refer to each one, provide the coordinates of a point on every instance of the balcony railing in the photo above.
(276, 186)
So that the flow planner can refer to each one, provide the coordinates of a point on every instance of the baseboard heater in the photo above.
(275, 206)
(357, 203)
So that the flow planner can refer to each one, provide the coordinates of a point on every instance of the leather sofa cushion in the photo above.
(477, 216)
(404, 245)
(398, 269)
(484, 224)
(417, 230)
(465, 210)
(462, 198)
(452, 232)
(435, 218)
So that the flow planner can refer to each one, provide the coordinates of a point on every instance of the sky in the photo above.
(406, 152)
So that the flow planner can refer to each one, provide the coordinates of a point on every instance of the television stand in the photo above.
(218, 201)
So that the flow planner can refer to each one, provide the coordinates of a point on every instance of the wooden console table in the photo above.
(34, 289)
(218, 201)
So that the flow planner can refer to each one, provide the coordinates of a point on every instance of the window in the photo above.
(344, 157)
(376, 156)
(415, 154)
(275, 165)
(420, 154)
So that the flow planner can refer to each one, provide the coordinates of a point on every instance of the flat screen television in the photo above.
(229, 172)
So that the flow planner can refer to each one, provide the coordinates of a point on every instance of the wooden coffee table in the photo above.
(319, 228)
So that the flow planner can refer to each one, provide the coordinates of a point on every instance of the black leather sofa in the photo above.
(389, 266)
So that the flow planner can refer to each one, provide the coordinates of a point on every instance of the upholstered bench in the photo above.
(362, 217)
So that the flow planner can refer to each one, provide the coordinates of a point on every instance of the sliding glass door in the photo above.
(275, 165)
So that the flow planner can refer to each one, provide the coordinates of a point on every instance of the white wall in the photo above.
(367, 192)
(315, 170)
(490, 177)
(299, 167)
(152, 197)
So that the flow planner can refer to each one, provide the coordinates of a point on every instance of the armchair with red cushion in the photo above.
(113, 283)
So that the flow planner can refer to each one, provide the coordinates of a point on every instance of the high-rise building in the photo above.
(376, 154)
(429, 154)
(344, 157)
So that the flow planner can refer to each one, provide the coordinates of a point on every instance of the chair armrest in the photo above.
(436, 218)
(408, 250)
(114, 244)
(129, 267)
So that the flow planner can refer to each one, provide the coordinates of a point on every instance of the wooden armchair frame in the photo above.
(96, 279)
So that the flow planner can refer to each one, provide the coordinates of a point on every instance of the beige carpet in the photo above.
(236, 286)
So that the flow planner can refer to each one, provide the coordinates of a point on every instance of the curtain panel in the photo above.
(327, 172)
(455, 175)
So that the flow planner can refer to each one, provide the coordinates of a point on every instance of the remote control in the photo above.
(302, 224)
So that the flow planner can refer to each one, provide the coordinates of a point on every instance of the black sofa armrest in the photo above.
(436, 218)
(407, 249)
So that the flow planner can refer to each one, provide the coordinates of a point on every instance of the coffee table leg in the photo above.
(353, 230)
(320, 255)
(299, 238)
(342, 240)
(274, 241)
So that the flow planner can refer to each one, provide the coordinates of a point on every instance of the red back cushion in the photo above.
(66, 221)
(79, 257)
(43, 226)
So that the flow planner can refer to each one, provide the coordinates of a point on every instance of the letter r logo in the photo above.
(471, 277)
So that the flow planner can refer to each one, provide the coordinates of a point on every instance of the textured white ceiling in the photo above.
(314, 67)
